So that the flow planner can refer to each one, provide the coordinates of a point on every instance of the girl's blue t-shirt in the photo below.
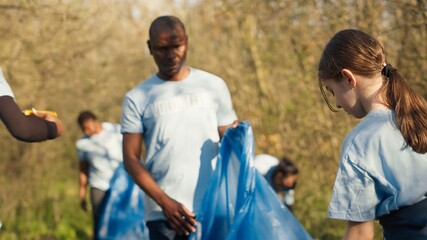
(378, 171)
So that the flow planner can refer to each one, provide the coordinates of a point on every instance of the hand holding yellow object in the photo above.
(50, 116)
(34, 112)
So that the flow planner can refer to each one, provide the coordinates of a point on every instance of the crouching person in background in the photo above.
(280, 174)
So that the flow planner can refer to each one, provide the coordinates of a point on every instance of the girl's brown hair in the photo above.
(363, 54)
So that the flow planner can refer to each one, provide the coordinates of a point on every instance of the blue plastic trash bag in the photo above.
(123, 211)
(239, 203)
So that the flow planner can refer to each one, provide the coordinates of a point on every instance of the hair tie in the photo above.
(387, 70)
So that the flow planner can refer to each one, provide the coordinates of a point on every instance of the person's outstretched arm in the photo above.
(180, 218)
(28, 128)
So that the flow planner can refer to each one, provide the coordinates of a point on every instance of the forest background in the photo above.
(71, 55)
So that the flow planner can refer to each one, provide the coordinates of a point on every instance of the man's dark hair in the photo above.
(85, 115)
(171, 22)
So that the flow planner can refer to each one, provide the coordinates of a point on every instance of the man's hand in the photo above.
(222, 129)
(179, 217)
(83, 205)
(235, 123)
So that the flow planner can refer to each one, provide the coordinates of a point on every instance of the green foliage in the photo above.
(52, 217)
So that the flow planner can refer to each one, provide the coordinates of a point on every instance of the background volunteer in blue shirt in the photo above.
(100, 153)
(281, 174)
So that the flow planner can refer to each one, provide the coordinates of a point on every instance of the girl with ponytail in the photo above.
(383, 164)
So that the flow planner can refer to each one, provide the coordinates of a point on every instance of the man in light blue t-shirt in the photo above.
(180, 113)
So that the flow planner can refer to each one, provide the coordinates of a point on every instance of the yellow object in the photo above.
(30, 112)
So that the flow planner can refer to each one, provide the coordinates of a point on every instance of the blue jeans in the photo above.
(161, 230)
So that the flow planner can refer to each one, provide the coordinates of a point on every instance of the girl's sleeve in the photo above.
(22, 127)
(354, 197)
